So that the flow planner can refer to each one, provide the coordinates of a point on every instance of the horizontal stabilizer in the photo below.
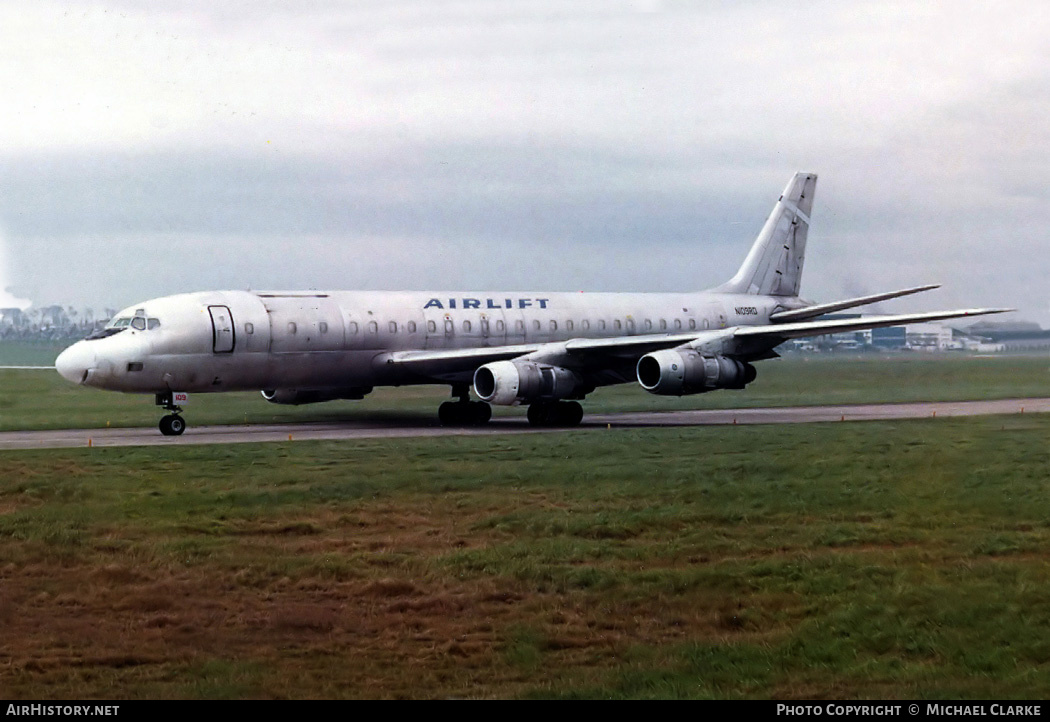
(821, 328)
(801, 314)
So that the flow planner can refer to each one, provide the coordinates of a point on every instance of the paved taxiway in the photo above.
(406, 426)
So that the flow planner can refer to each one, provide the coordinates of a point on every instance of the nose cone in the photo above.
(75, 362)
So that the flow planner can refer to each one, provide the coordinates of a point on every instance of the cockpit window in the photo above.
(103, 333)
(139, 323)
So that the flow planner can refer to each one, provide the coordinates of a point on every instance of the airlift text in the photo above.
(468, 303)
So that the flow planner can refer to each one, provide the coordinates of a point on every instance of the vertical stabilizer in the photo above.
(773, 267)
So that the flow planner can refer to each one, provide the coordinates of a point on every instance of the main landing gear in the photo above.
(172, 424)
(464, 412)
(555, 413)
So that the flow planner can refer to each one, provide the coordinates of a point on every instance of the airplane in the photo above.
(547, 351)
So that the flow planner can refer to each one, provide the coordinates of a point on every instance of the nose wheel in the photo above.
(172, 424)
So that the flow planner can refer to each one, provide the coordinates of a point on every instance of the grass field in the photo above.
(43, 400)
(874, 560)
(862, 560)
(30, 353)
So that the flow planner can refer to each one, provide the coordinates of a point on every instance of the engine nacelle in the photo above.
(508, 383)
(676, 372)
(296, 397)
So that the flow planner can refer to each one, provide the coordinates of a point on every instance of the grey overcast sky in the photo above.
(155, 148)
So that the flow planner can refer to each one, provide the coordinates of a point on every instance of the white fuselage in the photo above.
(241, 340)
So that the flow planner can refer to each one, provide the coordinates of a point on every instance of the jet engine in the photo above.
(296, 397)
(678, 372)
(509, 383)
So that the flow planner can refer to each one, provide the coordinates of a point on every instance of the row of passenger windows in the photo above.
(519, 326)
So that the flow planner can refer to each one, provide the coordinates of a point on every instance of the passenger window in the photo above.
(353, 328)
(601, 325)
(292, 327)
(431, 326)
(568, 325)
(617, 325)
(393, 327)
(586, 325)
(249, 328)
(466, 327)
(678, 324)
(322, 327)
(373, 327)
(536, 325)
(663, 325)
(554, 325)
(411, 326)
(519, 326)
(499, 326)
(648, 325)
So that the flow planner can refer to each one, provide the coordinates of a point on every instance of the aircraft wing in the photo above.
(575, 352)
(483, 355)
(612, 352)
(785, 331)
(807, 312)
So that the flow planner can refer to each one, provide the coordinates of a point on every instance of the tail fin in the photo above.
(774, 265)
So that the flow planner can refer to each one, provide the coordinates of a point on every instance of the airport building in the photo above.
(934, 337)
(1019, 336)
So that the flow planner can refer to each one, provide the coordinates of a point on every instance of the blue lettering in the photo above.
(470, 303)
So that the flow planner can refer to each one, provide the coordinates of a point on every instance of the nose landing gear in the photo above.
(172, 424)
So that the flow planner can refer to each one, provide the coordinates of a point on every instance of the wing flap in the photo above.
(479, 355)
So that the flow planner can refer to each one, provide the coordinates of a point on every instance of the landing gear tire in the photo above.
(538, 414)
(464, 413)
(573, 413)
(172, 425)
(560, 413)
